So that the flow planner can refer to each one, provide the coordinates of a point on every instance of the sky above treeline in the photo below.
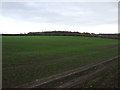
(92, 17)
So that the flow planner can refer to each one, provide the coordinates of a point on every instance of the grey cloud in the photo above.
(62, 13)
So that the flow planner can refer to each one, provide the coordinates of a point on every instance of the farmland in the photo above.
(27, 58)
(108, 79)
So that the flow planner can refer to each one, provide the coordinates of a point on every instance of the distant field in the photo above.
(27, 58)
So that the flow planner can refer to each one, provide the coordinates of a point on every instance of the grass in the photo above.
(108, 79)
(27, 58)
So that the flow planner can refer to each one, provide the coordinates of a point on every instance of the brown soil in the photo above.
(107, 79)
(74, 78)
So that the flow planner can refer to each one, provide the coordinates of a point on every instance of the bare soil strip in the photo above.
(83, 79)
(71, 78)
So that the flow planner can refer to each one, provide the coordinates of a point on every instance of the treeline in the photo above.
(61, 33)
(65, 33)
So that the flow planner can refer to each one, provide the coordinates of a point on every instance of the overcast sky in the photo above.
(93, 17)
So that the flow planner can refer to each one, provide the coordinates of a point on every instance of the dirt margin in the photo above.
(71, 78)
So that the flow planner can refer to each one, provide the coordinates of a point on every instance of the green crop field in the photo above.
(27, 58)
